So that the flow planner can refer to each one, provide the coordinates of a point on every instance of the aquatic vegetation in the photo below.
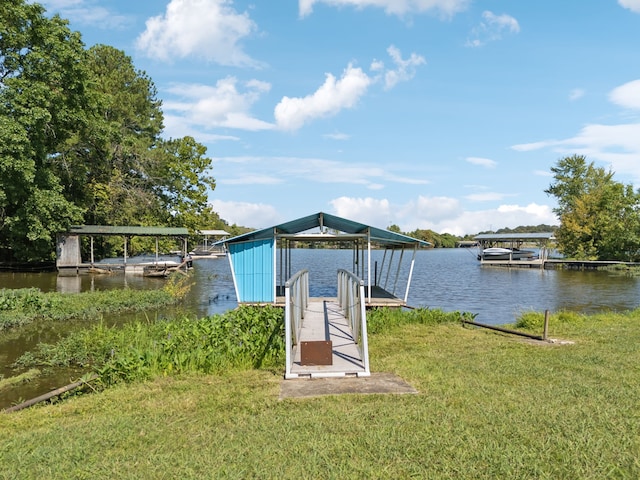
(18, 379)
(245, 338)
(22, 306)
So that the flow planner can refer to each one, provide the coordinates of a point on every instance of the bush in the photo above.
(249, 337)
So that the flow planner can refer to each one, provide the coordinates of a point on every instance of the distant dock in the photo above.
(557, 264)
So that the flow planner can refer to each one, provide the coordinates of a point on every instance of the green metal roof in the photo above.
(322, 221)
(129, 231)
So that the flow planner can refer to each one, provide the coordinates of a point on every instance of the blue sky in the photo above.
(433, 114)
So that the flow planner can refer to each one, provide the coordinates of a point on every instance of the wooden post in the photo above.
(546, 325)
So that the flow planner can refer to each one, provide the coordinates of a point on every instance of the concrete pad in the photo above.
(381, 383)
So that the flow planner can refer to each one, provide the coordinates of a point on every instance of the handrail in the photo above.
(351, 298)
(296, 293)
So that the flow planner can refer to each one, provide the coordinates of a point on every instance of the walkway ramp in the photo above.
(325, 322)
(326, 337)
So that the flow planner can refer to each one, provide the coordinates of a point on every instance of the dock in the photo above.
(380, 298)
(326, 327)
(534, 263)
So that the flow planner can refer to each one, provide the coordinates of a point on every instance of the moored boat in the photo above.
(499, 253)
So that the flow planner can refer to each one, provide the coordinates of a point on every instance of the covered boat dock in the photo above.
(69, 259)
(542, 242)
(325, 336)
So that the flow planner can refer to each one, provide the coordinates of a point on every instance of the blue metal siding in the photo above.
(253, 268)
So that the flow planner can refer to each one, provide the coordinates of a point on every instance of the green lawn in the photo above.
(489, 406)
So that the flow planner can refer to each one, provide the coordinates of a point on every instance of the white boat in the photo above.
(498, 253)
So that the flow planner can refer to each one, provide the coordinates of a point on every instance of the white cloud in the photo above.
(633, 5)
(332, 97)
(87, 12)
(250, 180)
(209, 29)
(627, 95)
(336, 95)
(296, 169)
(440, 214)
(483, 162)
(405, 69)
(177, 127)
(61, 4)
(337, 136)
(440, 217)
(616, 145)
(491, 28)
(369, 211)
(487, 196)
(576, 94)
(219, 106)
(446, 8)
(529, 147)
(253, 215)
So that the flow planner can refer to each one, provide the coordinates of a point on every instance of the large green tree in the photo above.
(599, 217)
(119, 166)
(42, 82)
(81, 140)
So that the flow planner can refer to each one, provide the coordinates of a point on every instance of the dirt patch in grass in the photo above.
(381, 383)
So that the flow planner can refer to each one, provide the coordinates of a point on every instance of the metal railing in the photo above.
(351, 298)
(296, 293)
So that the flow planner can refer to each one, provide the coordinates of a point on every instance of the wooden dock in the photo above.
(324, 322)
(555, 264)
(379, 298)
(534, 263)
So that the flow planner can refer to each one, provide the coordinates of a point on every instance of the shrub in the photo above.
(245, 338)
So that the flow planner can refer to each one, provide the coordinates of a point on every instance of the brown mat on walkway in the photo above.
(376, 383)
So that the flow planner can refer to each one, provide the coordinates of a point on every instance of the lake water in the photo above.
(450, 279)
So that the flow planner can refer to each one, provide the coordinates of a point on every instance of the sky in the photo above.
(426, 114)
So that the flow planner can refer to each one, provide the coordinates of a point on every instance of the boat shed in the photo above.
(514, 240)
(542, 240)
(68, 252)
(261, 260)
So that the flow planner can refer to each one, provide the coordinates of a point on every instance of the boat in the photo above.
(499, 253)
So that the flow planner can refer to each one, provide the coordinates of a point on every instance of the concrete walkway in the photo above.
(377, 383)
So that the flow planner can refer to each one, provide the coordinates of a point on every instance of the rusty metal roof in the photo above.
(129, 231)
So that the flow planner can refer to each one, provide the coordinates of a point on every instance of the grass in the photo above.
(490, 406)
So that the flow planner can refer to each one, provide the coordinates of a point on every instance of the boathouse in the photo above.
(69, 253)
(542, 243)
(211, 246)
(325, 336)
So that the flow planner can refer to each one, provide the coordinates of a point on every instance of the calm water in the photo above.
(450, 279)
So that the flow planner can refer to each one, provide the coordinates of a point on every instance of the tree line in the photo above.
(80, 141)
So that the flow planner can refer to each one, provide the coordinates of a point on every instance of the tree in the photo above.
(42, 83)
(599, 217)
(80, 140)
